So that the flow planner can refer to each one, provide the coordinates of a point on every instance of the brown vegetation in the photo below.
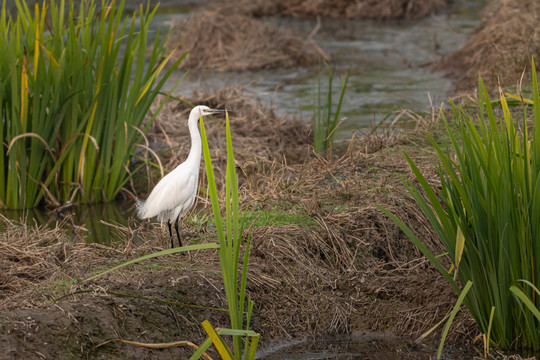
(228, 41)
(349, 270)
(351, 9)
(500, 49)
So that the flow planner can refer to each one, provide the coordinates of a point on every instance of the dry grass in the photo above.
(500, 49)
(224, 41)
(351, 9)
(353, 270)
(37, 261)
(350, 270)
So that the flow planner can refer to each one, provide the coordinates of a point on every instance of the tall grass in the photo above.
(326, 118)
(75, 86)
(486, 214)
(230, 238)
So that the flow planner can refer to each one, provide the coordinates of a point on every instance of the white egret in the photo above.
(175, 193)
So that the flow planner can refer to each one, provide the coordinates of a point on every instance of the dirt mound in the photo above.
(500, 49)
(352, 9)
(229, 41)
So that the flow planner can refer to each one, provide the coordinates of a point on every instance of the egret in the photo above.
(175, 193)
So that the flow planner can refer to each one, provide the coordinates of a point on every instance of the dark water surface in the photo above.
(360, 347)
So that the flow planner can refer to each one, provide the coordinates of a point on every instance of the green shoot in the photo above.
(326, 119)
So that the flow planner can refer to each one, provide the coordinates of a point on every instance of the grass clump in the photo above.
(326, 118)
(75, 87)
(230, 233)
(486, 213)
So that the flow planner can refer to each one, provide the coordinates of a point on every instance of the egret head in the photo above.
(202, 110)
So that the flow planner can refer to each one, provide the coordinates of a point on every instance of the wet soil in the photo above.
(345, 268)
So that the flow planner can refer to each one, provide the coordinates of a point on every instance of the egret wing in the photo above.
(173, 190)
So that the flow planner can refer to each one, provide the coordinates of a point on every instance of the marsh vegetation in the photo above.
(324, 260)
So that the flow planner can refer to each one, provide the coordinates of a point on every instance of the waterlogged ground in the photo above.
(339, 268)
(359, 346)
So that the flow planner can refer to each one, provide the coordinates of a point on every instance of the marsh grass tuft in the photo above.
(75, 87)
(230, 236)
(326, 118)
(486, 213)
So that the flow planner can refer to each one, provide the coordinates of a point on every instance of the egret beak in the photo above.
(218, 111)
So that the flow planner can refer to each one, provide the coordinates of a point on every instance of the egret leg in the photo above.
(170, 233)
(176, 228)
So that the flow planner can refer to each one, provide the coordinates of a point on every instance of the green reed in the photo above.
(326, 118)
(230, 236)
(486, 214)
(75, 87)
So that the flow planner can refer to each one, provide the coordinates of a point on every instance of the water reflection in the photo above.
(365, 347)
(97, 223)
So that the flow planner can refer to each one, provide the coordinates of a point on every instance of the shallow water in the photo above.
(389, 65)
(365, 347)
(388, 61)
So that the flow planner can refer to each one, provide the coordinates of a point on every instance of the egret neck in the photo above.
(194, 157)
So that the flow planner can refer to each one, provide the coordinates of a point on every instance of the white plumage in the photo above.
(175, 193)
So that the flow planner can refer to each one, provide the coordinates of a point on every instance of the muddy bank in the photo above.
(351, 9)
(499, 49)
(325, 261)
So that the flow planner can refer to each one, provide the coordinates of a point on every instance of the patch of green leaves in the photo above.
(230, 233)
(326, 117)
(75, 87)
(485, 212)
